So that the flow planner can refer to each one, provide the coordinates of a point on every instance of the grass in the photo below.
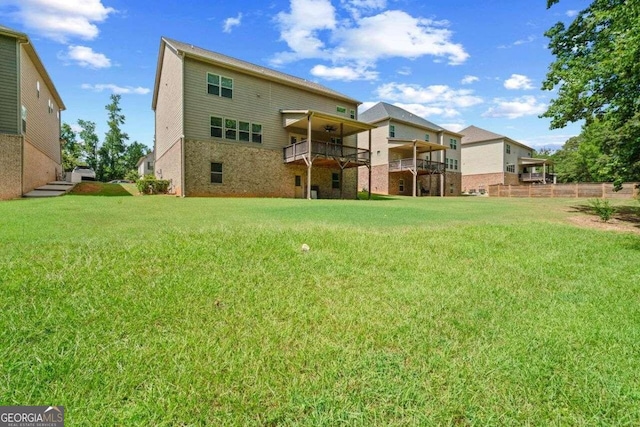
(455, 311)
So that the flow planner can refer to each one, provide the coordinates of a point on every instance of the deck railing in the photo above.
(422, 165)
(325, 149)
(536, 177)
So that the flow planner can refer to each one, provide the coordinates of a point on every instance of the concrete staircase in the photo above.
(52, 189)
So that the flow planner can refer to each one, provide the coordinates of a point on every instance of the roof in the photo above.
(473, 134)
(244, 67)
(31, 51)
(384, 111)
(319, 121)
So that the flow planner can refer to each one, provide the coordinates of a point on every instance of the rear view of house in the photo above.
(489, 159)
(30, 106)
(226, 127)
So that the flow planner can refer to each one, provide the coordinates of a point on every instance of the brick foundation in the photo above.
(39, 169)
(10, 166)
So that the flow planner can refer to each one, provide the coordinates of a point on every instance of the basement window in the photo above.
(401, 186)
(216, 173)
(335, 180)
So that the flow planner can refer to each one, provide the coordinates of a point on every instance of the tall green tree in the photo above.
(597, 74)
(71, 150)
(89, 143)
(132, 154)
(112, 164)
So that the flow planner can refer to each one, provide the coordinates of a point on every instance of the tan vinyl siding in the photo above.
(43, 126)
(255, 100)
(169, 104)
(483, 157)
(9, 105)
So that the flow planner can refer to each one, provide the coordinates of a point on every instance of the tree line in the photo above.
(114, 158)
(597, 74)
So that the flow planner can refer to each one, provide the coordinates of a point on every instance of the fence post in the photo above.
(604, 191)
(530, 190)
(577, 192)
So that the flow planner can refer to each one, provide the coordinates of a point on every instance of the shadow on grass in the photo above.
(363, 195)
(629, 214)
(103, 189)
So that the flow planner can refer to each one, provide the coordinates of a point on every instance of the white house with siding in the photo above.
(226, 127)
(30, 107)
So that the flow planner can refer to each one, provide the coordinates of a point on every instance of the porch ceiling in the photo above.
(397, 144)
(297, 119)
(530, 161)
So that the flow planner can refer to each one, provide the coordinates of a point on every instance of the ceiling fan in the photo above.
(329, 128)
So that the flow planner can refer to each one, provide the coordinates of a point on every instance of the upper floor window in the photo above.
(352, 114)
(453, 143)
(23, 114)
(219, 85)
(230, 129)
(335, 140)
(341, 110)
(216, 127)
(38, 89)
(511, 168)
(392, 131)
(50, 107)
(236, 130)
(508, 149)
(256, 133)
(426, 137)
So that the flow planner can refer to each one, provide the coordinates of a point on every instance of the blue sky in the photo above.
(456, 62)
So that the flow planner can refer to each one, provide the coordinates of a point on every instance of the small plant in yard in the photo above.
(602, 208)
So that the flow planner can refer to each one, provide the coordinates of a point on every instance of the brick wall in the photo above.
(256, 172)
(379, 179)
(39, 168)
(482, 181)
(10, 166)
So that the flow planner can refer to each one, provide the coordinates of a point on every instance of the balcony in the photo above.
(536, 177)
(423, 166)
(326, 152)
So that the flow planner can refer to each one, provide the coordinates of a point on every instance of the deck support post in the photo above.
(309, 159)
(415, 170)
(369, 197)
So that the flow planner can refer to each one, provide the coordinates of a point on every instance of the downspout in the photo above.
(183, 178)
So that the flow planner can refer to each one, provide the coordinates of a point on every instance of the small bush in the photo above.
(150, 185)
(602, 208)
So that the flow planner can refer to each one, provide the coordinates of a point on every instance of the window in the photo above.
(256, 133)
(335, 180)
(401, 186)
(244, 131)
(38, 89)
(216, 127)
(455, 164)
(392, 131)
(335, 140)
(149, 165)
(341, 110)
(352, 114)
(511, 168)
(298, 181)
(426, 137)
(508, 149)
(219, 85)
(446, 162)
(216, 173)
(453, 144)
(50, 107)
(230, 129)
(23, 114)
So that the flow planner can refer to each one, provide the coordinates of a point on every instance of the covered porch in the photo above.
(532, 170)
(321, 143)
(406, 152)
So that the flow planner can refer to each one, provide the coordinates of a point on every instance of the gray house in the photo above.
(30, 106)
(226, 127)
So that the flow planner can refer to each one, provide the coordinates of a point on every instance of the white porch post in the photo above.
(415, 169)
(544, 173)
(309, 159)
(370, 166)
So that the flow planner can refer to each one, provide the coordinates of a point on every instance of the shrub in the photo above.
(602, 208)
(150, 185)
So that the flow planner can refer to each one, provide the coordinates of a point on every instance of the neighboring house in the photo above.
(30, 106)
(410, 155)
(145, 164)
(490, 159)
(225, 127)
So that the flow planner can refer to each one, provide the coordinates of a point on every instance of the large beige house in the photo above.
(409, 155)
(226, 127)
(30, 106)
(489, 159)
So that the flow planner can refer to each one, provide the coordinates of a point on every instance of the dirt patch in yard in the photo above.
(614, 224)
(87, 188)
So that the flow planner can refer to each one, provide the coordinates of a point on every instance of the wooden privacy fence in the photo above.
(604, 190)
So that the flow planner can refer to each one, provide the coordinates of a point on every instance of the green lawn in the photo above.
(158, 310)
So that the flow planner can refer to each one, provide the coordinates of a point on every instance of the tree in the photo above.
(71, 150)
(89, 143)
(597, 73)
(111, 164)
(132, 154)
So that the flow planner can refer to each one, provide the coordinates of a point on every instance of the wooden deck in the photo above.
(536, 177)
(328, 153)
(423, 166)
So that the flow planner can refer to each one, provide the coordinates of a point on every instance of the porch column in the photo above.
(544, 173)
(309, 159)
(341, 166)
(370, 166)
(415, 170)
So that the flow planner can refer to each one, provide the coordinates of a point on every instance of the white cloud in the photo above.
(61, 19)
(299, 29)
(345, 73)
(467, 80)
(312, 30)
(519, 42)
(229, 23)
(365, 106)
(455, 127)
(427, 111)
(86, 57)
(572, 13)
(515, 108)
(118, 90)
(405, 71)
(438, 95)
(518, 81)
